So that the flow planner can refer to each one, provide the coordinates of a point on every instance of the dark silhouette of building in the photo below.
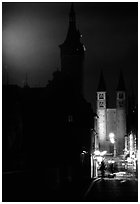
(45, 130)
(74, 115)
(72, 54)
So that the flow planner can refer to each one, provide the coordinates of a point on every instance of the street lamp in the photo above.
(112, 140)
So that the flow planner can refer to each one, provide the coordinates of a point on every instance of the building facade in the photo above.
(111, 122)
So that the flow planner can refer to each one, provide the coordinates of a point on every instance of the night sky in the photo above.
(32, 33)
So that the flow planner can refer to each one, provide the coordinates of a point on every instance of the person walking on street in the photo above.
(102, 169)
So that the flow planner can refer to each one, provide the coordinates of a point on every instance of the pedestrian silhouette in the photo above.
(102, 169)
(111, 168)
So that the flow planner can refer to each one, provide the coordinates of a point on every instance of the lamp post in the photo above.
(115, 149)
(92, 149)
(113, 141)
(126, 145)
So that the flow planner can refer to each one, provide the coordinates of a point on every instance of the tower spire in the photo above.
(72, 54)
(72, 14)
(72, 30)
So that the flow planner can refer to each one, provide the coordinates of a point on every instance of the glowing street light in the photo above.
(103, 153)
(112, 138)
(97, 152)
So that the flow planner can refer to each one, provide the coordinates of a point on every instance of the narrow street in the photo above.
(113, 190)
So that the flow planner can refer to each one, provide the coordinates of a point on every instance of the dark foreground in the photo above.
(113, 190)
(30, 187)
(21, 186)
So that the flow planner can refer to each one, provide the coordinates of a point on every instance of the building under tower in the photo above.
(111, 122)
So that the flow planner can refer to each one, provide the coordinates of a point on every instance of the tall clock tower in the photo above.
(72, 54)
(101, 112)
(120, 115)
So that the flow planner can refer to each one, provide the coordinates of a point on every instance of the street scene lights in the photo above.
(112, 140)
(96, 158)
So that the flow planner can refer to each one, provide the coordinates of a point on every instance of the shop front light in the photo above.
(97, 152)
(103, 153)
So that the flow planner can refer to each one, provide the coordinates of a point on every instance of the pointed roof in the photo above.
(72, 30)
(121, 84)
(101, 86)
(73, 35)
(72, 12)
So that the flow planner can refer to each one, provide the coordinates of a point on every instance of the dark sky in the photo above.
(33, 31)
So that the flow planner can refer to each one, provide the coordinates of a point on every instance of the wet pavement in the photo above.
(122, 188)
(28, 187)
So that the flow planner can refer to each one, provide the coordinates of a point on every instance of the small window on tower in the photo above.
(101, 104)
(101, 96)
